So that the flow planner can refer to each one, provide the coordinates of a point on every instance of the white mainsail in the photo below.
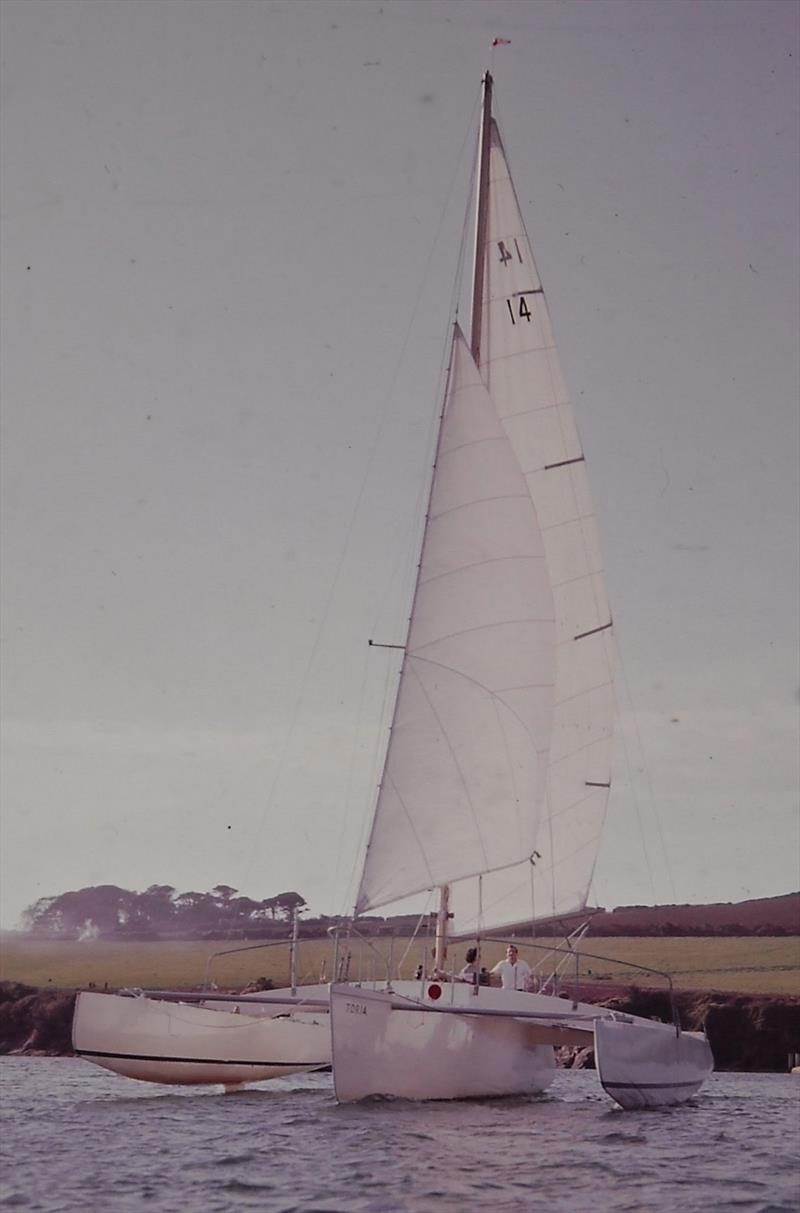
(499, 759)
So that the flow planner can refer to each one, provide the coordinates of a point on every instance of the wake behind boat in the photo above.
(498, 766)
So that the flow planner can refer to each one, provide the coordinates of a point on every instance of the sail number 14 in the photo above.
(523, 312)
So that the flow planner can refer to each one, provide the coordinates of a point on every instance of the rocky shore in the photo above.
(746, 1032)
(35, 1021)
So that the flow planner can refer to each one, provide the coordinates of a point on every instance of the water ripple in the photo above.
(78, 1138)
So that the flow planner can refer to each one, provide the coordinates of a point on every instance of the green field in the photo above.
(753, 965)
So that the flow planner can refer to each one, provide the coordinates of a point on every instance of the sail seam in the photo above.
(483, 627)
(554, 526)
(480, 564)
(534, 349)
(494, 695)
(595, 686)
(481, 500)
(542, 774)
(461, 446)
(587, 576)
(573, 804)
(557, 762)
(532, 411)
(456, 763)
(567, 855)
(578, 577)
(523, 686)
(410, 820)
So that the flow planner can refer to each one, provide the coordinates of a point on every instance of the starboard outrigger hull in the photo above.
(179, 1043)
(644, 1065)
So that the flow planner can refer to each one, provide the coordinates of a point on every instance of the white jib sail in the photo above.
(466, 764)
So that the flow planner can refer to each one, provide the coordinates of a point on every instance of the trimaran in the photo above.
(498, 766)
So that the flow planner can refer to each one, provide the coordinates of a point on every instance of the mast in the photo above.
(293, 951)
(479, 261)
(440, 950)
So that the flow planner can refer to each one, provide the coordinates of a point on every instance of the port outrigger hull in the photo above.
(228, 1042)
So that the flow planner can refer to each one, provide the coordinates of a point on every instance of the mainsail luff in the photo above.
(481, 211)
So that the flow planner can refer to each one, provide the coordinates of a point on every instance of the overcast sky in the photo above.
(229, 237)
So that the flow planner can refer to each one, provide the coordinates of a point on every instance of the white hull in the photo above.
(461, 1044)
(174, 1042)
(644, 1065)
(424, 1054)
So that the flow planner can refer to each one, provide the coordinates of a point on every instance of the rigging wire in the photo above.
(378, 752)
(423, 918)
(645, 770)
(345, 549)
(411, 545)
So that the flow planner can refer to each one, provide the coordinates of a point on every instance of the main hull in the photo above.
(421, 1054)
(174, 1042)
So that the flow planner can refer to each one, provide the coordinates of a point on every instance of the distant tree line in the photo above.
(160, 911)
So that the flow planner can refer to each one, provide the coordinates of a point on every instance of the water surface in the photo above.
(77, 1138)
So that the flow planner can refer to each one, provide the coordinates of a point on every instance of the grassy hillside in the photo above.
(759, 916)
(750, 965)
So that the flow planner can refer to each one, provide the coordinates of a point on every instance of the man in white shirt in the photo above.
(514, 973)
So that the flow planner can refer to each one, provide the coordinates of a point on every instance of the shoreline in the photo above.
(749, 1033)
